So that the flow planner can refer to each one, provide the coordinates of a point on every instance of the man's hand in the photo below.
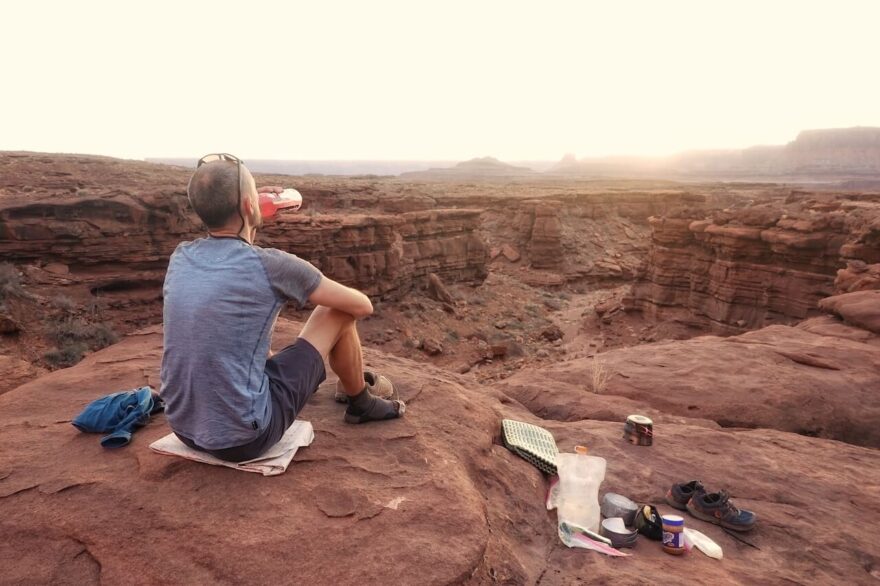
(337, 296)
(270, 189)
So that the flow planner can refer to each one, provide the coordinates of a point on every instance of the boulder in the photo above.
(510, 253)
(860, 309)
(438, 291)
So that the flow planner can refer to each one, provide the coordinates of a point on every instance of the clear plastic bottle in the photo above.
(579, 478)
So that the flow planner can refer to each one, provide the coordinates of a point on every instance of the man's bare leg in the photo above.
(334, 334)
(347, 360)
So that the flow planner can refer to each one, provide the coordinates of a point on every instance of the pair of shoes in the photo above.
(712, 507)
(377, 384)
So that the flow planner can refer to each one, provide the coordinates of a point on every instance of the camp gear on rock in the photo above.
(377, 384)
(679, 494)
(365, 407)
(673, 534)
(617, 505)
(532, 443)
(221, 299)
(638, 430)
(716, 508)
(704, 543)
(615, 530)
(119, 415)
(579, 478)
(648, 522)
(272, 203)
(574, 536)
(275, 461)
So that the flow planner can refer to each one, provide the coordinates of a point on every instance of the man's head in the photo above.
(214, 195)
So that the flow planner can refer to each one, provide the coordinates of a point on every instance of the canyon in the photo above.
(762, 264)
(744, 319)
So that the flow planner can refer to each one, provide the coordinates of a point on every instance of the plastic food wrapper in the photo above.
(574, 536)
(693, 538)
(553, 493)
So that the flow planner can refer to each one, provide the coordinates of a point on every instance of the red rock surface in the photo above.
(14, 372)
(435, 498)
(817, 380)
(430, 499)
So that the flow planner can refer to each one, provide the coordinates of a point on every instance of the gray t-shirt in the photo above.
(222, 297)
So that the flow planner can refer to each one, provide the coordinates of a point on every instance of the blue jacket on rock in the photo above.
(119, 415)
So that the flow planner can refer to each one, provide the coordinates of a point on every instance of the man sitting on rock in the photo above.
(224, 395)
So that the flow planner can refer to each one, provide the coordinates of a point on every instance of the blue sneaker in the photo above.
(715, 507)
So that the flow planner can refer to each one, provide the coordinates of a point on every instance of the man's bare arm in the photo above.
(335, 295)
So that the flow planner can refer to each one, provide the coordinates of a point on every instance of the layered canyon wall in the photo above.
(118, 234)
(763, 264)
(589, 237)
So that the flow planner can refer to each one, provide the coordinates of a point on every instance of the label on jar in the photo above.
(673, 540)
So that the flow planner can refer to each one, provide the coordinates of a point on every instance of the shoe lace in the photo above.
(724, 500)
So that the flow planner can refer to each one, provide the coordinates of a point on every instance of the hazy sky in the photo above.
(431, 80)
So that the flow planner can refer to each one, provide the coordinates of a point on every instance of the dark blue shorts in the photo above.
(294, 375)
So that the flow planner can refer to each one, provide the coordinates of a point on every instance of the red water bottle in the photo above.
(271, 203)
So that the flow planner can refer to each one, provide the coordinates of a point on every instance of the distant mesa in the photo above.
(478, 168)
(815, 154)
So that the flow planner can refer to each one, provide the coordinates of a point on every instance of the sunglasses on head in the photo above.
(225, 157)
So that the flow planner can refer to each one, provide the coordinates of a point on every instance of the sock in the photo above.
(360, 403)
(367, 403)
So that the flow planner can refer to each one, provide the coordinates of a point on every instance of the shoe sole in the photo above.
(716, 521)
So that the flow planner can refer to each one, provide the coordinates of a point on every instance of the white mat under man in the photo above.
(273, 462)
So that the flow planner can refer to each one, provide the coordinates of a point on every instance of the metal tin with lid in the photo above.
(639, 430)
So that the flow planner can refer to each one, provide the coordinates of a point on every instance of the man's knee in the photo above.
(327, 316)
(325, 326)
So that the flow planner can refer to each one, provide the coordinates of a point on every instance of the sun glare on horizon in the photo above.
(431, 81)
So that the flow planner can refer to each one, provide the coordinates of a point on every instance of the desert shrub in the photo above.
(600, 374)
(10, 281)
(553, 304)
(74, 330)
(73, 337)
(66, 355)
(63, 302)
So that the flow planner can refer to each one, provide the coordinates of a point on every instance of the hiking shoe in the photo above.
(679, 495)
(377, 384)
(715, 507)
